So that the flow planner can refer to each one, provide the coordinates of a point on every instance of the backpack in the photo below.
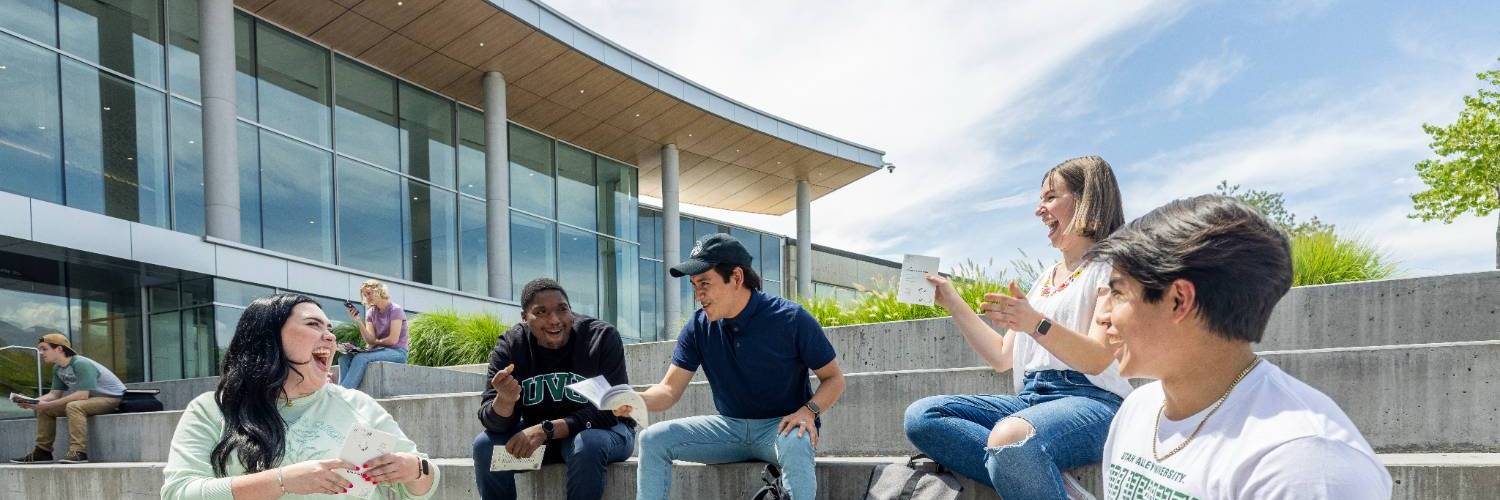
(775, 488)
(139, 401)
(920, 478)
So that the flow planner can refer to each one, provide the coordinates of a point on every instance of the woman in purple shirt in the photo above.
(383, 330)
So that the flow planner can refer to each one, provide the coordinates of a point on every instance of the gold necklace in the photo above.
(1156, 435)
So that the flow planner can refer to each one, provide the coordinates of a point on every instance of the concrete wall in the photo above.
(841, 270)
(1449, 308)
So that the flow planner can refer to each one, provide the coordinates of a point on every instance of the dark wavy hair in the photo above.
(254, 372)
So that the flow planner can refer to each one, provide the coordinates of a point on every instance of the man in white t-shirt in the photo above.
(1193, 286)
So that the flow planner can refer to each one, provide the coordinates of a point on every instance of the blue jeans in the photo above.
(587, 455)
(1071, 420)
(352, 365)
(715, 439)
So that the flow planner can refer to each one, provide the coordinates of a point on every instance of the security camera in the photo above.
(890, 167)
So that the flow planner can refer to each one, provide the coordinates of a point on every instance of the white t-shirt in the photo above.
(1275, 437)
(1073, 308)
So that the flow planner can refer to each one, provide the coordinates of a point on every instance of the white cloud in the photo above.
(934, 84)
(1200, 81)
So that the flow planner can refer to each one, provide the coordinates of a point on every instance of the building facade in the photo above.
(164, 162)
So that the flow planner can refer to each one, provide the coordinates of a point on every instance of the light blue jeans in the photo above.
(715, 439)
(352, 365)
(1070, 415)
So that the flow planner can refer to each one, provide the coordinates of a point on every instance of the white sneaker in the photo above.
(1075, 489)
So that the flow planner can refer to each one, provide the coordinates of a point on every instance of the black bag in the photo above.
(140, 401)
(920, 478)
(774, 489)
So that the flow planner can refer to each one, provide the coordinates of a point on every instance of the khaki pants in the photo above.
(78, 413)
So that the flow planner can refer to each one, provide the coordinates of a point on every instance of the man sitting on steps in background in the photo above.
(756, 351)
(1193, 286)
(81, 388)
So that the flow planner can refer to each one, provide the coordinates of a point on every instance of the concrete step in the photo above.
(1429, 398)
(1454, 308)
(382, 380)
(1419, 476)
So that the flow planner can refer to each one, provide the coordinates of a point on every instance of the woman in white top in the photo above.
(1068, 386)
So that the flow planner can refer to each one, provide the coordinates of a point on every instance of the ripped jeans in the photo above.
(1070, 416)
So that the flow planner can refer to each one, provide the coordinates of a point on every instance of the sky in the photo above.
(973, 101)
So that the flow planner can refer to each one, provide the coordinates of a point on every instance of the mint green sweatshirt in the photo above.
(316, 426)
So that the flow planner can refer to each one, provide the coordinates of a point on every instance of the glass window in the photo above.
(530, 172)
(751, 241)
(183, 48)
(432, 236)
(618, 199)
(115, 145)
(770, 263)
(244, 65)
(166, 346)
(197, 291)
(702, 229)
(369, 218)
(649, 233)
(30, 131)
(651, 286)
(164, 297)
(293, 84)
(619, 286)
(187, 167)
(427, 136)
(471, 168)
(122, 35)
(473, 251)
(578, 269)
(575, 187)
(296, 198)
(236, 293)
(105, 317)
(32, 18)
(199, 348)
(773, 288)
(249, 152)
(685, 240)
(533, 250)
(365, 119)
(225, 321)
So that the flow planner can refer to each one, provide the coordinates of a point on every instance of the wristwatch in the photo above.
(424, 469)
(1043, 326)
(814, 407)
(548, 429)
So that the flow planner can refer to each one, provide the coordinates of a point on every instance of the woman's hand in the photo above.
(624, 411)
(946, 295)
(316, 477)
(392, 468)
(1011, 312)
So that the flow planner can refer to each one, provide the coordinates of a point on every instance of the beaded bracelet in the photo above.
(279, 483)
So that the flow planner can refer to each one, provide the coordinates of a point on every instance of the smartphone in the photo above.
(350, 306)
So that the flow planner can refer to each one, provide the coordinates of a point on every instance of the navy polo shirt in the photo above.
(757, 362)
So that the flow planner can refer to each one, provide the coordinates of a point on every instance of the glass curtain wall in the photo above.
(765, 249)
(569, 221)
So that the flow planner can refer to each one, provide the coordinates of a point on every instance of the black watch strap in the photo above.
(425, 467)
(548, 429)
(1043, 326)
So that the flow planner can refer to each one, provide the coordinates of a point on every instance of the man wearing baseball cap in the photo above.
(81, 388)
(756, 351)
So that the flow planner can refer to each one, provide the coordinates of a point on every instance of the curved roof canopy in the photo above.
(573, 84)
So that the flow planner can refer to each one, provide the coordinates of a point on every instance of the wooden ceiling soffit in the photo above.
(498, 33)
(611, 102)
(762, 158)
(436, 71)
(252, 5)
(447, 21)
(601, 136)
(711, 191)
(739, 149)
(301, 16)
(559, 72)
(664, 128)
(351, 33)
(525, 56)
(642, 111)
(573, 126)
(393, 14)
(468, 88)
(596, 82)
(395, 54)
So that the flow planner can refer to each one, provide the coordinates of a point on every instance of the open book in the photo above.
(606, 397)
(17, 398)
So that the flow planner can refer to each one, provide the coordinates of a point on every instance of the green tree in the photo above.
(1466, 175)
(1273, 206)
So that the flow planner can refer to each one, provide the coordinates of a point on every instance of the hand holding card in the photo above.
(914, 287)
(361, 445)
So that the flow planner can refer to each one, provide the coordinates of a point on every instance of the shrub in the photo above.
(879, 305)
(1323, 257)
(443, 337)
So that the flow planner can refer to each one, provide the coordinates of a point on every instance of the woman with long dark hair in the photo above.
(275, 426)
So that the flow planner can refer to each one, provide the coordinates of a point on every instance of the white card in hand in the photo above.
(914, 287)
(361, 445)
(503, 460)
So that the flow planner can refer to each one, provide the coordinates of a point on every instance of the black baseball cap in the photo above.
(710, 251)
